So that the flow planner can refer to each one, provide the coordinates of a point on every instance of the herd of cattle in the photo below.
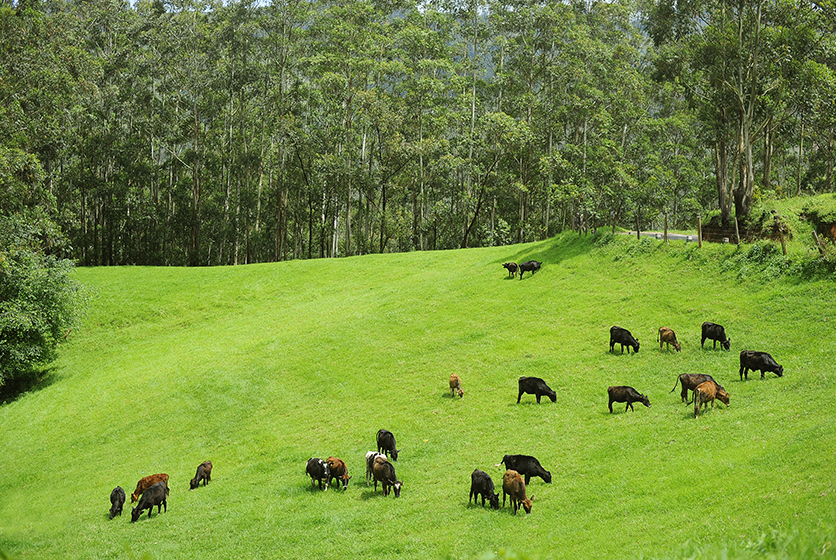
(705, 388)
(152, 490)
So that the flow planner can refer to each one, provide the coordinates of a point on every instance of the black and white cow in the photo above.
(715, 332)
(319, 471)
(481, 484)
(370, 457)
(527, 466)
(758, 361)
(532, 266)
(623, 337)
(386, 444)
(535, 386)
(155, 495)
(622, 393)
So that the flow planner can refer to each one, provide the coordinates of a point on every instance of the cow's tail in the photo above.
(674, 385)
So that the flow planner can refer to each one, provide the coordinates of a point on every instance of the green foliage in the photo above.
(38, 300)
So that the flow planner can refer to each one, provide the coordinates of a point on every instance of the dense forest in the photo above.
(195, 132)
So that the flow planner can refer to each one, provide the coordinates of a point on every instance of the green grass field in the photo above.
(257, 368)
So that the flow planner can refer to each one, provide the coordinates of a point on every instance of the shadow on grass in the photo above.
(553, 251)
(27, 383)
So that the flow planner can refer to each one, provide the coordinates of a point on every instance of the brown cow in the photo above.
(667, 336)
(148, 481)
(204, 473)
(384, 472)
(338, 471)
(706, 392)
(456, 385)
(690, 381)
(513, 485)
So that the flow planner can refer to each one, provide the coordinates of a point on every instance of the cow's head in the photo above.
(345, 479)
(526, 504)
(494, 500)
(726, 344)
(723, 396)
(394, 454)
(677, 345)
(397, 488)
(135, 513)
(779, 371)
(193, 483)
(547, 476)
(644, 400)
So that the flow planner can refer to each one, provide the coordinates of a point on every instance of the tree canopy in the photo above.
(196, 132)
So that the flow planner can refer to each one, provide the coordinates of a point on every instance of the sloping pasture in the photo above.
(260, 367)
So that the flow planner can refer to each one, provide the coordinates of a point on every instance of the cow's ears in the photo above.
(531, 497)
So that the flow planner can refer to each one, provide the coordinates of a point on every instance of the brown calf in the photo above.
(706, 392)
(148, 481)
(384, 473)
(513, 485)
(667, 336)
(456, 385)
(338, 471)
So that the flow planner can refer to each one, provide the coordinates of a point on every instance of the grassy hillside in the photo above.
(258, 368)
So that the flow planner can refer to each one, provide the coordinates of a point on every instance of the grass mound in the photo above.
(259, 368)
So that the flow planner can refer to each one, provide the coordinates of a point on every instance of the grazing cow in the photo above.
(204, 473)
(386, 444)
(626, 394)
(147, 482)
(338, 471)
(370, 457)
(706, 392)
(690, 381)
(715, 332)
(667, 336)
(513, 485)
(624, 338)
(527, 266)
(527, 466)
(456, 385)
(318, 471)
(758, 361)
(535, 386)
(482, 485)
(154, 495)
(385, 473)
(117, 500)
(512, 268)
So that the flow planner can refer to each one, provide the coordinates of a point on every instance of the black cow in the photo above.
(690, 381)
(117, 500)
(512, 268)
(204, 473)
(319, 471)
(626, 394)
(624, 338)
(532, 266)
(155, 495)
(527, 466)
(386, 444)
(535, 386)
(481, 484)
(758, 361)
(715, 332)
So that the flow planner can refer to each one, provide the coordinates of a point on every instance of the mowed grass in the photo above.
(258, 368)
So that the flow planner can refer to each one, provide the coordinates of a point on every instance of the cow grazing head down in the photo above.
(386, 444)
(456, 385)
(706, 392)
(758, 361)
(622, 336)
(338, 472)
(117, 500)
(715, 333)
(623, 393)
(384, 472)
(667, 336)
(204, 473)
(513, 485)
(481, 484)
(532, 266)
